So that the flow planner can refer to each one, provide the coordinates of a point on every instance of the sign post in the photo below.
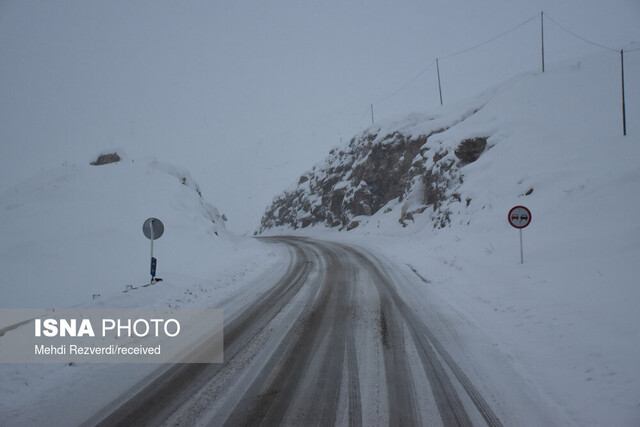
(153, 229)
(520, 217)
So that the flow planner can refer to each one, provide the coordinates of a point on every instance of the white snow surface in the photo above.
(75, 231)
(565, 320)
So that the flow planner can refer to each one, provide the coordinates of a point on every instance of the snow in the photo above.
(78, 229)
(565, 321)
(75, 231)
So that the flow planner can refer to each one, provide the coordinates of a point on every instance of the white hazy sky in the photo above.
(249, 94)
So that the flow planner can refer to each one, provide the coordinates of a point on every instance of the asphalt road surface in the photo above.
(332, 342)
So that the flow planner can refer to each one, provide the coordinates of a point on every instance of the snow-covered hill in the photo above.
(76, 230)
(533, 134)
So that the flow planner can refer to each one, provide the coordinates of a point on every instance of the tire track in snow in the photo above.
(288, 390)
(451, 409)
(170, 390)
(310, 372)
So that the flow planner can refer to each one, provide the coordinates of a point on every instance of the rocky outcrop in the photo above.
(373, 171)
(470, 149)
(105, 159)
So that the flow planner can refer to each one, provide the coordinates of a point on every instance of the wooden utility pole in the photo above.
(624, 113)
(542, 36)
(439, 86)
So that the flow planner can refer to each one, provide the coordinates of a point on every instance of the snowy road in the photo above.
(332, 342)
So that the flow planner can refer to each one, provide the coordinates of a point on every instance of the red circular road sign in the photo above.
(519, 217)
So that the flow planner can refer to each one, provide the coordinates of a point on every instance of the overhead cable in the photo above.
(579, 36)
(424, 70)
(489, 40)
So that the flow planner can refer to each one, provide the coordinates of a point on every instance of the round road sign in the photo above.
(158, 228)
(519, 217)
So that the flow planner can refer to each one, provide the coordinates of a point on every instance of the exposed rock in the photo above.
(352, 225)
(373, 171)
(105, 159)
(439, 155)
(469, 150)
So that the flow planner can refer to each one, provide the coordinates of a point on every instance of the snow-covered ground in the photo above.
(566, 320)
(74, 231)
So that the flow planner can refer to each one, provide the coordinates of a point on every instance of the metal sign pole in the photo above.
(521, 252)
(151, 230)
(519, 217)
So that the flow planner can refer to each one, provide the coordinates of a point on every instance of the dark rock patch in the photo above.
(105, 159)
(352, 225)
(469, 150)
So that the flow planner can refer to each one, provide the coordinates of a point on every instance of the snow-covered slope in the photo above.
(533, 134)
(566, 319)
(76, 230)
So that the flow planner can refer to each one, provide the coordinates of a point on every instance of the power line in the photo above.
(579, 36)
(460, 52)
(490, 40)
(364, 114)
(424, 70)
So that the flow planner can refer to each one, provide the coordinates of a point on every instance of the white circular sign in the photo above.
(519, 217)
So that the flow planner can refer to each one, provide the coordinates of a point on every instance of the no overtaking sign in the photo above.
(519, 217)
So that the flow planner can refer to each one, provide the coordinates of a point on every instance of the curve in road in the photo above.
(331, 343)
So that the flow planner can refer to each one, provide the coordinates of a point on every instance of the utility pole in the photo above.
(439, 87)
(624, 113)
(542, 36)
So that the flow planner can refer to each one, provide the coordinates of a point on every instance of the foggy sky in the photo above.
(249, 94)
